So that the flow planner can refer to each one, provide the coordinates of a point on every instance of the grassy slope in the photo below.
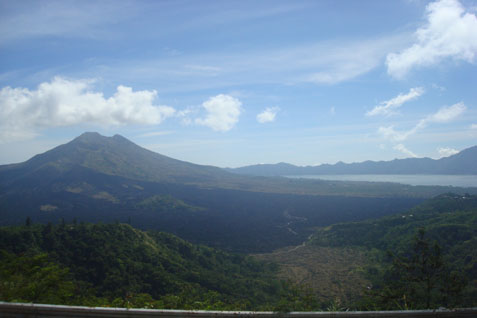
(334, 274)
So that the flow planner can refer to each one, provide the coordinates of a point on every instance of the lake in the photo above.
(412, 179)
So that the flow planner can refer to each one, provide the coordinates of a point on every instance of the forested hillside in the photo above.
(425, 257)
(422, 258)
(117, 265)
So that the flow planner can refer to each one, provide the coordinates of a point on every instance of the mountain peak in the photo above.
(89, 135)
(94, 138)
(91, 138)
(92, 135)
(118, 156)
(120, 138)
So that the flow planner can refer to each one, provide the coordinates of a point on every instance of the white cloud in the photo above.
(446, 114)
(64, 102)
(473, 126)
(333, 110)
(345, 61)
(446, 152)
(343, 71)
(186, 115)
(443, 115)
(268, 115)
(450, 32)
(404, 150)
(390, 133)
(386, 108)
(223, 112)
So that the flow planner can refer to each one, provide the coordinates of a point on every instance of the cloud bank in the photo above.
(268, 115)
(387, 108)
(450, 32)
(64, 102)
(223, 112)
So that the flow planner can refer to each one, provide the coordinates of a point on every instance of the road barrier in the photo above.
(21, 310)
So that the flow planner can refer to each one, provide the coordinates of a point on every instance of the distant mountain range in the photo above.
(462, 163)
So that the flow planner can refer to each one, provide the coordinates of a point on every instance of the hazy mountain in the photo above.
(464, 163)
(115, 156)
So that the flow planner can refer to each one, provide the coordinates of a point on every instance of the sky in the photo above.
(235, 83)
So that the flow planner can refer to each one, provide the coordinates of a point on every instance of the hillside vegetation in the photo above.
(117, 265)
(384, 263)
(437, 238)
(334, 275)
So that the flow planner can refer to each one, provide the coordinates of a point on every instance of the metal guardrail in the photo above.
(21, 310)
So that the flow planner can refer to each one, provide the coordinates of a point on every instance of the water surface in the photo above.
(412, 179)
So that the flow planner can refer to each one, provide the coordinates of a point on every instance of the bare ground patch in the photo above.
(334, 274)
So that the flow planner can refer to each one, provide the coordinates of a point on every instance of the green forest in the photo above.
(117, 265)
(425, 257)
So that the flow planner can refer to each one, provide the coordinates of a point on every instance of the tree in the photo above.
(420, 278)
(422, 271)
(34, 279)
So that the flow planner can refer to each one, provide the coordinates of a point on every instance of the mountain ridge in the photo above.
(464, 163)
(121, 158)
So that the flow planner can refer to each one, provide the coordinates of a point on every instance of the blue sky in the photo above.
(233, 83)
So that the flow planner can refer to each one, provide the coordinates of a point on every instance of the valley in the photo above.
(317, 243)
(110, 179)
(350, 263)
